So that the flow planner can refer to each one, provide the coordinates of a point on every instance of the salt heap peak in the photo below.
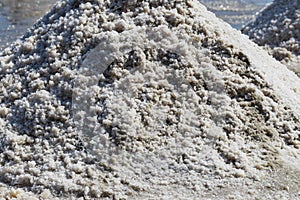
(139, 99)
(277, 27)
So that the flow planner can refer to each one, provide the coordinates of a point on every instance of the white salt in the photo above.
(144, 99)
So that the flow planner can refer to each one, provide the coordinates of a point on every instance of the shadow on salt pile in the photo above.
(162, 93)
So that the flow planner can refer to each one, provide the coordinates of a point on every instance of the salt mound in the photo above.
(235, 12)
(277, 27)
(145, 100)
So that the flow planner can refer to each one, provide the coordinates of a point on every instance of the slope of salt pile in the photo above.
(277, 27)
(145, 100)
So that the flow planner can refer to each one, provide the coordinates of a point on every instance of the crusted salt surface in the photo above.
(140, 99)
(277, 27)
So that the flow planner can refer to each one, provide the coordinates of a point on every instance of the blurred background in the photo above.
(236, 12)
(16, 16)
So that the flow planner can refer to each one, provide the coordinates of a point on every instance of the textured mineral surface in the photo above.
(145, 100)
(277, 28)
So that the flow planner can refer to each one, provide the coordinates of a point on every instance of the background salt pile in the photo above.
(145, 100)
(277, 28)
(235, 12)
